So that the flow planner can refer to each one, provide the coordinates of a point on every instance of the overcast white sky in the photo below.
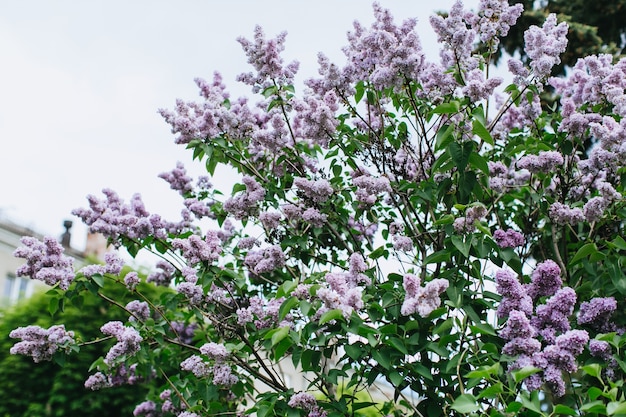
(81, 82)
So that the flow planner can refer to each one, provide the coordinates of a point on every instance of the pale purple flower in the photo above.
(131, 280)
(178, 179)
(97, 381)
(314, 216)
(223, 375)
(573, 341)
(265, 260)
(368, 187)
(45, 261)
(402, 243)
(302, 400)
(552, 317)
(422, 300)
(545, 161)
(477, 87)
(495, 18)
(196, 365)
(544, 46)
(264, 55)
(245, 203)
(196, 250)
(247, 243)
(546, 280)
(215, 351)
(184, 333)
(128, 340)
(140, 310)
(596, 313)
(467, 223)
(456, 37)
(270, 219)
(508, 239)
(563, 214)
(316, 190)
(594, 208)
(514, 296)
(146, 409)
(199, 208)
(164, 275)
(600, 349)
(39, 343)
(315, 119)
(193, 292)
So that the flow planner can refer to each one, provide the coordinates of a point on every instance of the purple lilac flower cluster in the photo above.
(545, 339)
(196, 250)
(120, 376)
(422, 300)
(368, 187)
(546, 161)
(41, 344)
(343, 290)
(128, 340)
(45, 261)
(265, 260)
(245, 203)
(544, 46)
(140, 310)
(113, 264)
(307, 402)
(217, 368)
(114, 219)
(509, 238)
(263, 313)
(494, 20)
(178, 179)
(467, 223)
(316, 190)
(163, 275)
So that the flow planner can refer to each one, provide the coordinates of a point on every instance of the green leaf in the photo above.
(438, 257)
(462, 245)
(98, 279)
(396, 378)
(330, 315)
(286, 307)
(279, 335)
(525, 372)
(584, 252)
(481, 131)
(465, 404)
(594, 407)
(561, 409)
(593, 369)
(484, 371)
(492, 391)
(460, 153)
(618, 243)
(447, 108)
(616, 407)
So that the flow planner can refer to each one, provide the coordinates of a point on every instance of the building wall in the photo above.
(12, 287)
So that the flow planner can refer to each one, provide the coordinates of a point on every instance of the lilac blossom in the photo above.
(140, 310)
(196, 250)
(196, 365)
(215, 351)
(563, 214)
(421, 300)
(514, 296)
(467, 224)
(509, 238)
(178, 179)
(265, 260)
(520, 335)
(495, 18)
(302, 400)
(368, 187)
(187, 414)
(315, 119)
(552, 317)
(385, 54)
(193, 292)
(344, 291)
(264, 55)
(477, 87)
(199, 208)
(546, 280)
(314, 216)
(402, 243)
(39, 343)
(146, 409)
(270, 219)
(596, 313)
(97, 381)
(223, 375)
(128, 340)
(263, 313)
(45, 261)
(131, 280)
(316, 190)
(184, 333)
(456, 37)
(545, 161)
(245, 203)
(164, 275)
(600, 349)
(544, 46)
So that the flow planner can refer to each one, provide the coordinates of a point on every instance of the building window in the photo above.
(15, 288)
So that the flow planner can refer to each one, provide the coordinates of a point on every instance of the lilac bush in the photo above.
(414, 237)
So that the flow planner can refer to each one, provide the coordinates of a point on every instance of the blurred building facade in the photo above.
(14, 288)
